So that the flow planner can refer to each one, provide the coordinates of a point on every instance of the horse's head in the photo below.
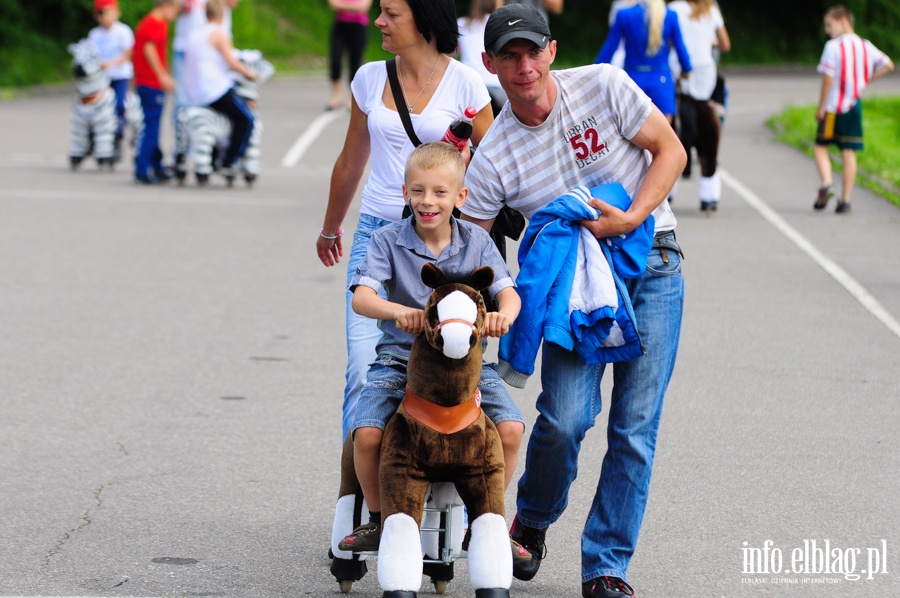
(253, 60)
(454, 313)
(89, 75)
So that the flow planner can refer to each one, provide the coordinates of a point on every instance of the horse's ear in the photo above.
(432, 276)
(482, 277)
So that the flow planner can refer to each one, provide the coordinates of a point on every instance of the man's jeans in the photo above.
(362, 332)
(569, 404)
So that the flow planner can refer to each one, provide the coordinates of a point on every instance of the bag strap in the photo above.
(400, 101)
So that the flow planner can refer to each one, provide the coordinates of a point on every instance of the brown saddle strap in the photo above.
(445, 420)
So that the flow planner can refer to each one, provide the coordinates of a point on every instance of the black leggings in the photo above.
(700, 128)
(234, 108)
(351, 37)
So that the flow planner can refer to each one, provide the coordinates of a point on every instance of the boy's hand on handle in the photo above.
(410, 320)
(496, 324)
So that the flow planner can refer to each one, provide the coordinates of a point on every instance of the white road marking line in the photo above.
(859, 292)
(309, 136)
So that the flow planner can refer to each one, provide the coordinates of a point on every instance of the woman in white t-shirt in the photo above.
(704, 34)
(436, 90)
(471, 45)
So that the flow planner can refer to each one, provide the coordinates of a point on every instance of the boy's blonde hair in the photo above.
(214, 9)
(158, 3)
(436, 154)
(838, 12)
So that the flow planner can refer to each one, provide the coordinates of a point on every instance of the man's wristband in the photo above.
(331, 237)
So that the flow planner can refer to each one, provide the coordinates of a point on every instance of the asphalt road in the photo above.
(171, 369)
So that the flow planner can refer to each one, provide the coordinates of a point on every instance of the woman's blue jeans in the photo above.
(568, 406)
(362, 332)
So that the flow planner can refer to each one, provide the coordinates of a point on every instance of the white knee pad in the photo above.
(399, 555)
(490, 555)
(710, 188)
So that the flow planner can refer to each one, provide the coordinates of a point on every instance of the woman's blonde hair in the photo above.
(656, 15)
(701, 8)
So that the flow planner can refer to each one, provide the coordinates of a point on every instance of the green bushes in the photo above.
(294, 34)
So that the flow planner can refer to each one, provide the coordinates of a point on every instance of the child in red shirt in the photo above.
(152, 80)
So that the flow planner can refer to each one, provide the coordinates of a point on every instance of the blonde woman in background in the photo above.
(471, 45)
(649, 30)
(704, 33)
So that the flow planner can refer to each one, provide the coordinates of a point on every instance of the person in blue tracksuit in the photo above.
(649, 30)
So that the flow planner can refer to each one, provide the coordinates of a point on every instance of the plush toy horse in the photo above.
(440, 436)
(202, 134)
(94, 120)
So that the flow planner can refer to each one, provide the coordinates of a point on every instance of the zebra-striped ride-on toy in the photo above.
(94, 120)
(202, 134)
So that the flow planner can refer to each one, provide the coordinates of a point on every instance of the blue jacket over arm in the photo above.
(571, 292)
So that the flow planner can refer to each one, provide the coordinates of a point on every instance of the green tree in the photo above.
(34, 33)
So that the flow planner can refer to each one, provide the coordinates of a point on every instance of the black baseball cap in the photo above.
(515, 21)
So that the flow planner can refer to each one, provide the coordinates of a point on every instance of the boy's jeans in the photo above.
(567, 407)
(148, 161)
(362, 332)
(120, 87)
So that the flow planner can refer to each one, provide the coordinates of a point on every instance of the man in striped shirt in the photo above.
(585, 126)
(848, 64)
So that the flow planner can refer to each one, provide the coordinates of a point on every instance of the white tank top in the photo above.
(206, 74)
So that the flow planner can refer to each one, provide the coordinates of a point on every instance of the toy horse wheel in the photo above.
(346, 585)
(440, 585)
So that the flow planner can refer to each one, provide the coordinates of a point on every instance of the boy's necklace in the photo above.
(409, 106)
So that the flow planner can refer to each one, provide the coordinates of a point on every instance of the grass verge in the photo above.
(879, 162)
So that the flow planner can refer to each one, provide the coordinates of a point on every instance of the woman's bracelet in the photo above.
(331, 237)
